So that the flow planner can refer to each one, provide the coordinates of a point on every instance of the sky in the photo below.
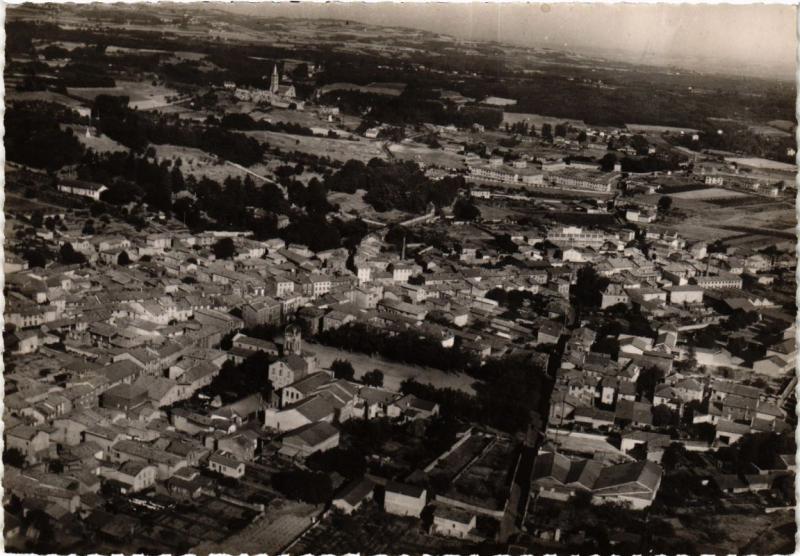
(753, 38)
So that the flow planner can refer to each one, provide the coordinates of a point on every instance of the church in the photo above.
(280, 96)
(275, 87)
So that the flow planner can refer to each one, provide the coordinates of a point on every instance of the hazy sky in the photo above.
(742, 37)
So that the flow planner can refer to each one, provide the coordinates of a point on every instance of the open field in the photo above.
(394, 373)
(763, 164)
(142, 95)
(710, 219)
(337, 149)
(428, 156)
(46, 96)
(98, 143)
(199, 163)
(511, 118)
(710, 193)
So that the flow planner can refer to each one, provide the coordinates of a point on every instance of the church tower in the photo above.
(274, 80)
(292, 340)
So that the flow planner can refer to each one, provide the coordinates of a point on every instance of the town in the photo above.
(254, 307)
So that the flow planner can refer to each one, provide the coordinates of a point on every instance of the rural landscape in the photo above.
(312, 285)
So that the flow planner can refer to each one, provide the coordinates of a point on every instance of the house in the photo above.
(302, 388)
(559, 477)
(353, 495)
(450, 521)
(82, 188)
(650, 440)
(634, 483)
(314, 437)
(729, 431)
(412, 407)
(30, 442)
(772, 366)
(241, 445)
(262, 311)
(287, 370)
(685, 294)
(188, 483)
(125, 397)
(730, 484)
(613, 295)
(593, 417)
(549, 332)
(405, 500)
(225, 464)
(134, 475)
(635, 413)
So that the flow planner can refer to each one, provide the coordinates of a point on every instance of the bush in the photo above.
(306, 486)
(343, 369)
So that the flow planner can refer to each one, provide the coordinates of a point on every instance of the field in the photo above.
(658, 129)
(427, 156)
(511, 118)
(763, 164)
(710, 193)
(46, 96)
(764, 220)
(394, 373)
(98, 143)
(199, 163)
(337, 149)
(142, 95)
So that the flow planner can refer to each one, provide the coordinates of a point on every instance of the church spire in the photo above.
(274, 80)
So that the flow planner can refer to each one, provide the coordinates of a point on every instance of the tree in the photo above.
(37, 257)
(348, 462)
(88, 227)
(224, 248)
(68, 255)
(607, 162)
(373, 378)
(664, 204)
(343, 369)
(589, 287)
(639, 143)
(664, 416)
(547, 132)
(307, 486)
(123, 259)
(465, 209)
(649, 377)
(13, 457)
(674, 454)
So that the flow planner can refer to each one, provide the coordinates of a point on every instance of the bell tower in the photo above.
(292, 340)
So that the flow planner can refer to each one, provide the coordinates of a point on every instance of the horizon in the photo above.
(752, 40)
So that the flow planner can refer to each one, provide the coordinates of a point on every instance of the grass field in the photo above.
(142, 95)
(394, 373)
(337, 149)
(710, 193)
(428, 156)
(199, 163)
(99, 144)
(46, 96)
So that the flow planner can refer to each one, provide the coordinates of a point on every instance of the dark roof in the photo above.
(404, 489)
(356, 491)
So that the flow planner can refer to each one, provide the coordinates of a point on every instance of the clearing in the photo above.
(393, 373)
